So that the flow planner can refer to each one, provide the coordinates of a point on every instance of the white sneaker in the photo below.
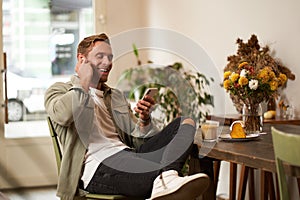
(170, 186)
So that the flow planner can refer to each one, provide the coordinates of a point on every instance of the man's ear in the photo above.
(80, 57)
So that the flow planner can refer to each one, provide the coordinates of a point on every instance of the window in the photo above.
(40, 40)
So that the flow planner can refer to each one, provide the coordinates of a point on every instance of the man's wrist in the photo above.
(145, 121)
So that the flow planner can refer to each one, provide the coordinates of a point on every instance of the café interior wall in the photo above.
(215, 25)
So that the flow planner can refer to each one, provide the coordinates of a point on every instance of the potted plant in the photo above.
(252, 77)
(181, 92)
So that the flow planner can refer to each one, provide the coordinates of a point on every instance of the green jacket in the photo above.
(71, 110)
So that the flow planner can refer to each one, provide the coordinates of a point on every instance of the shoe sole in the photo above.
(188, 191)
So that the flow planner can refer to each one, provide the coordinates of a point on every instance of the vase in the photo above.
(252, 116)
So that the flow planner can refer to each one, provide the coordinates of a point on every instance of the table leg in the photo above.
(251, 184)
(267, 185)
(217, 165)
(243, 182)
(232, 184)
(263, 194)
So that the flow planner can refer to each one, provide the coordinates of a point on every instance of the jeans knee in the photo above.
(189, 121)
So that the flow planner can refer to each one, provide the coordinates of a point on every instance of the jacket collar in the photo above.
(76, 82)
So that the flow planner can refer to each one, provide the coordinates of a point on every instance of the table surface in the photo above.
(227, 119)
(258, 153)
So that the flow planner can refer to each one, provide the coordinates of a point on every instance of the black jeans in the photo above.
(132, 172)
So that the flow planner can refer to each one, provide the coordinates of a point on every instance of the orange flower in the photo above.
(264, 75)
(227, 74)
(282, 79)
(234, 77)
(226, 84)
(243, 81)
(242, 65)
(273, 84)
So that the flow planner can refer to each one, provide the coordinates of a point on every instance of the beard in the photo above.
(98, 77)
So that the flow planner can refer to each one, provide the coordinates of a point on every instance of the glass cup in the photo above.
(209, 131)
(290, 112)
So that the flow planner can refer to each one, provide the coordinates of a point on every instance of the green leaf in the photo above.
(135, 50)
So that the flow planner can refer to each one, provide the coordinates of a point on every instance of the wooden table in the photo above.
(256, 154)
(227, 119)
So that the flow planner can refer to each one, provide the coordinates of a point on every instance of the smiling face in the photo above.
(100, 58)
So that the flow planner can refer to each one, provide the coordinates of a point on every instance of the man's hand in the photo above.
(85, 73)
(143, 108)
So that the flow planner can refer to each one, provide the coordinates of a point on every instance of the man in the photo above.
(107, 150)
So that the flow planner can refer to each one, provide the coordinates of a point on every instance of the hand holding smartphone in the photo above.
(143, 108)
(150, 92)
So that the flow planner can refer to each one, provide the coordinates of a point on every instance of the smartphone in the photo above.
(151, 92)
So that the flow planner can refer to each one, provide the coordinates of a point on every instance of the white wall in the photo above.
(215, 25)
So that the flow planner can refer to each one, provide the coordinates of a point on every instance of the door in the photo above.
(40, 39)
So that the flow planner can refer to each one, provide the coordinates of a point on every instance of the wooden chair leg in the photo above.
(243, 182)
(232, 184)
(271, 190)
(298, 180)
(277, 187)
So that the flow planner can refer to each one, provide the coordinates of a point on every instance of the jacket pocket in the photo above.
(122, 118)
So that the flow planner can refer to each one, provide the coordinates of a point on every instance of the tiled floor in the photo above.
(43, 193)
